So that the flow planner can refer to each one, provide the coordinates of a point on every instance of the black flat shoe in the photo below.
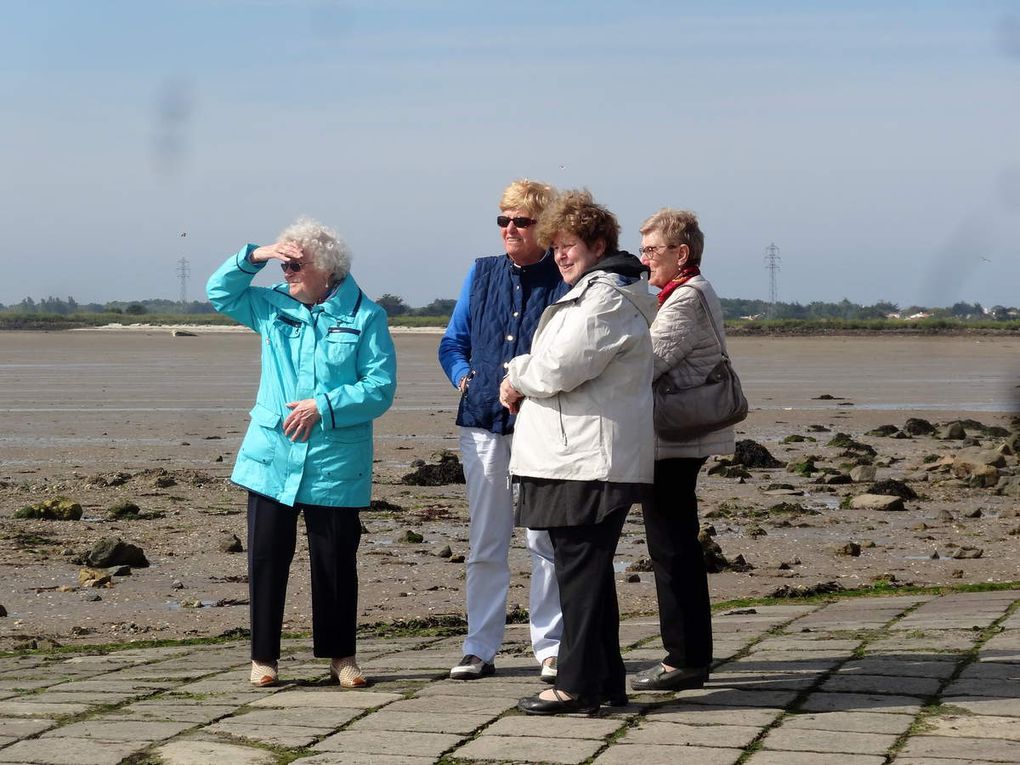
(657, 678)
(563, 704)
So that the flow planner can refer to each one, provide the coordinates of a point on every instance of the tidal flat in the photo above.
(146, 417)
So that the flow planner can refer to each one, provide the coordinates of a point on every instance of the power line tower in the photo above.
(183, 272)
(772, 266)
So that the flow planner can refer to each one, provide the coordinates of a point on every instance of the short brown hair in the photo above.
(678, 227)
(577, 213)
(523, 194)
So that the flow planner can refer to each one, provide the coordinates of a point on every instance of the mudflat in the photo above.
(143, 416)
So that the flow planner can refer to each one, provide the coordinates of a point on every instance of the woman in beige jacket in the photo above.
(685, 344)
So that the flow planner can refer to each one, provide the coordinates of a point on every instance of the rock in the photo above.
(978, 458)
(740, 565)
(121, 571)
(447, 470)
(835, 478)
(1008, 486)
(851, 447)
(863, 473)
(164, 481)
(975, 513)
(183, 333)
(93, 577)
(113, 551)
(853, 549)
(410, 537)
(945, 516)
(756, 531)
(805, 591)
(633, 578)
(916, 426)
(56, 509)
(641, 564)
(715, 561)
(229, 543)
(728, 471)
(980, 476)
(124, 511)
(894, 488)
(968, 553)
(876, 502)
(805, 467)
(753, 455)
(818, 429)
(92, 597)
(883, 431)
(827, 397)
(382, 506)
(444, 552)
(789, 508)
(111, 479)
(953, 431)
(3, 612)
(794, 438)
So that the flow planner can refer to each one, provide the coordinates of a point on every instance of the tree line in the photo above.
(394, 305)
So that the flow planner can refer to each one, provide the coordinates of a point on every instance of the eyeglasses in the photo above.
(520, 221)
(290, 265)
(656, 249)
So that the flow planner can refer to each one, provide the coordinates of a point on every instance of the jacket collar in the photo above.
(342, 305)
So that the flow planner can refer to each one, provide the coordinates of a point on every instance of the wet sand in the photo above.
(82, 404)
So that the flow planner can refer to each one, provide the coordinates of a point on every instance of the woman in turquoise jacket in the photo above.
(328, 370)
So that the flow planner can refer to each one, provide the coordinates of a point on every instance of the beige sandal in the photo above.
(347, 672)
(264, 675)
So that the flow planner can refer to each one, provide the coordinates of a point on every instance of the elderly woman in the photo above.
(583, 445)
(686, 348)
(328, 370)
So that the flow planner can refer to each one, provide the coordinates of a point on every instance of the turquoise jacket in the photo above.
(340, 353)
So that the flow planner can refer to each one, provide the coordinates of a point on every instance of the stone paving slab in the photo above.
(855, 683)
(162, 710)
(908, 665)
(190, 752)
(666, 755)
(679, 734)
(555, 750)
(861, 702)
(552, 727)
(327, 699)
(478, 705)
(386, 720)
(322, 719)
(357, 758)
(767, 757)
(21, 727)
(852, 722)
(384, 742)
(697, 714)
(983, 687)
(979, 726)
(118, 730)
(1007, 707)
(962, 747)
(814, 740)
(17, 708)
(69, 751)
(289, 736)
(991, 670)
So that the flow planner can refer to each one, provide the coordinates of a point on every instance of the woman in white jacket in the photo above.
(584, 442)
(686, 348)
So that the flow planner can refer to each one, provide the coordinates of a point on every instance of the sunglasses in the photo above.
(520, 221)
(290, 266)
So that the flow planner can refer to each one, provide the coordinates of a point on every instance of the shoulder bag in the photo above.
(685, 413)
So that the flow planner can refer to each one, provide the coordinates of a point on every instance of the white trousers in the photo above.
(486, 460)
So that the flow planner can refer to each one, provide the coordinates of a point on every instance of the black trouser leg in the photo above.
(681, 581)
(272, 536)
(333, 538)
(589, 658)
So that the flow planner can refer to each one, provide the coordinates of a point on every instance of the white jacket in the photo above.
(686, 348)
(588, 411)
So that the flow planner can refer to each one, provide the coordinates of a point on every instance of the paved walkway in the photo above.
(908, 680)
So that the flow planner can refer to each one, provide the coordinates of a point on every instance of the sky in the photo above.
(876, 144)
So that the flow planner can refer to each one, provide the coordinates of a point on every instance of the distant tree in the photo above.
(136, 309)
(442, 307)
(27, 305)
(392, 304)
(999, 313)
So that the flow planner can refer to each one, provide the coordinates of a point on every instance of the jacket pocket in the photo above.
(340, 347)
(260, 441)
(346, 454)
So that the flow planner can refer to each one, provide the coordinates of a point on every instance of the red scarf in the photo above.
(686, 274)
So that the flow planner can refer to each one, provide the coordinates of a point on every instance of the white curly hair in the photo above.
(321, 243)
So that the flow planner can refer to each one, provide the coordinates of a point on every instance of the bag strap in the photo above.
(711, 319)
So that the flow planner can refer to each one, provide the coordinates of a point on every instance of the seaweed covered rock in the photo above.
(113, 551)
(446, 470)
(916, 426)
(751, 454)
(56, 509)
(893, 488)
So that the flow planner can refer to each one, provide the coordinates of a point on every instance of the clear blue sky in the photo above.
(876, 143)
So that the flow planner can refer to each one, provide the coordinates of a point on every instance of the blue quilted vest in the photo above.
(506, 303)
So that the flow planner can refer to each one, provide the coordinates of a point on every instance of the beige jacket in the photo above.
(588, 411)
(686, 349)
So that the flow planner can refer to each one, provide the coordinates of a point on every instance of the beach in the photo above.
(141, 415)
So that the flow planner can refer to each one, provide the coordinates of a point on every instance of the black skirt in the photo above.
(543, 503)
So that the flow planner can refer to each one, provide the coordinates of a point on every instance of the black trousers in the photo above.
(681, 581)
(333, 537)
(589, 663)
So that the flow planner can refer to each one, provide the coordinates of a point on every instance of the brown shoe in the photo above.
(347, 672)
(264, 675)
